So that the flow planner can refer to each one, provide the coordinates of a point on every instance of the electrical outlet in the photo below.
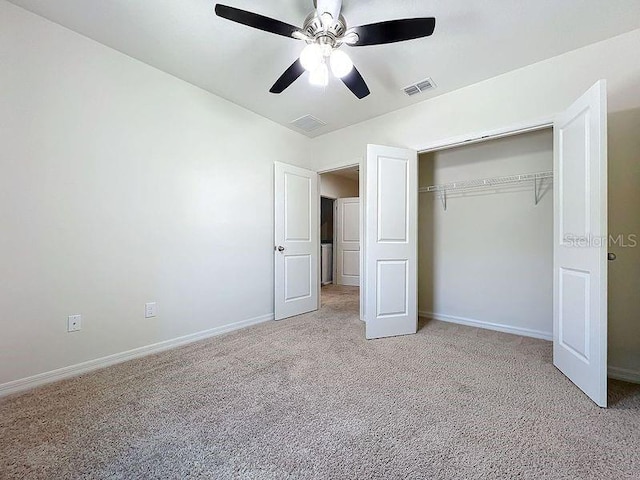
(150, 310)
(74, 323)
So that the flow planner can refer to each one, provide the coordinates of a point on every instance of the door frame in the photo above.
(483, 136)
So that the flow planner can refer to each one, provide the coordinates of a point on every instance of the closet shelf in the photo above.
(474, 185)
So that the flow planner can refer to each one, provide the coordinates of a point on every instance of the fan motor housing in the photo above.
(314, 29)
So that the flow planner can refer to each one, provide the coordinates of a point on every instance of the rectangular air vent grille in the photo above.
(419, 87)
(308, 123)
(412, 90)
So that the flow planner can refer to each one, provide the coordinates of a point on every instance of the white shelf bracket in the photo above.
(443, 199)
(535, 190)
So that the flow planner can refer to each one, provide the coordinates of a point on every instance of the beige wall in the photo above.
(624, 219)
(537, 91)
(489, 257)
(336, 186)
(121, 185)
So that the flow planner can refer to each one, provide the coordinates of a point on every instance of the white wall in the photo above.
(120, 185)
(336, 186)
(489, 257)
(537, 91)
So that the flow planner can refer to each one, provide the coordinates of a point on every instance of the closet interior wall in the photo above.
(487, 260)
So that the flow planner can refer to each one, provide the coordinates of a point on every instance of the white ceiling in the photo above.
(473, 41)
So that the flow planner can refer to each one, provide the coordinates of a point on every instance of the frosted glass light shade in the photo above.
(320, 76)
(311, 57)
(341, 64)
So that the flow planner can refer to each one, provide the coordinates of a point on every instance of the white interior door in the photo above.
(296, 240)
(391, 245)
(347, 244)
(580, 243)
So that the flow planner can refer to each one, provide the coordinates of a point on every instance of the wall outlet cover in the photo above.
(150, 310)
(74, 323)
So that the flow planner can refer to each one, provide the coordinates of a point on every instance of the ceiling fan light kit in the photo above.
(325, 31)
(320, 75)
(311, 57)
(324, 36)
(314, 59)
(341, 64)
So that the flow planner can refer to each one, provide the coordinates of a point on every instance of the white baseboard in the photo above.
(27, 383)
(499, 327)
(624, 374)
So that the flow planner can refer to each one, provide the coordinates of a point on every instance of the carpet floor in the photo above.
(308, 397)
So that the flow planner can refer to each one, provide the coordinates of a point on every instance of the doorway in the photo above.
(339, 232)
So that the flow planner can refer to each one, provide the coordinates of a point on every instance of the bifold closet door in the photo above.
(297, 219)
(391, 246)
(580, 243)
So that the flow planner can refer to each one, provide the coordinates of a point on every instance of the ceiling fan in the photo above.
(325, 31)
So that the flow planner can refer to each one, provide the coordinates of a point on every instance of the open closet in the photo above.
(485, 234)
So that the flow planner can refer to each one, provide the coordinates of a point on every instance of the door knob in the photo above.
(280, 248)
(611, 257)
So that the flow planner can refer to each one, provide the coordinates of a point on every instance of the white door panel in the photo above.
(297, 284)
(392, 277)
(296, 240)
(350, 219)
(580, 243)
(347, 222)
(350, 264)
(391, 196)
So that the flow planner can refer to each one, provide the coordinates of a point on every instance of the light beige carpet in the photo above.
(308, 397)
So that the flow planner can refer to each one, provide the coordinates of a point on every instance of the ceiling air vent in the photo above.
(308, 123)
(419, 87)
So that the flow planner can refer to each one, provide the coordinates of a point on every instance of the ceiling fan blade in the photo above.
(356, 83)
(393, 31)
(289, 76)
(255, 20)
